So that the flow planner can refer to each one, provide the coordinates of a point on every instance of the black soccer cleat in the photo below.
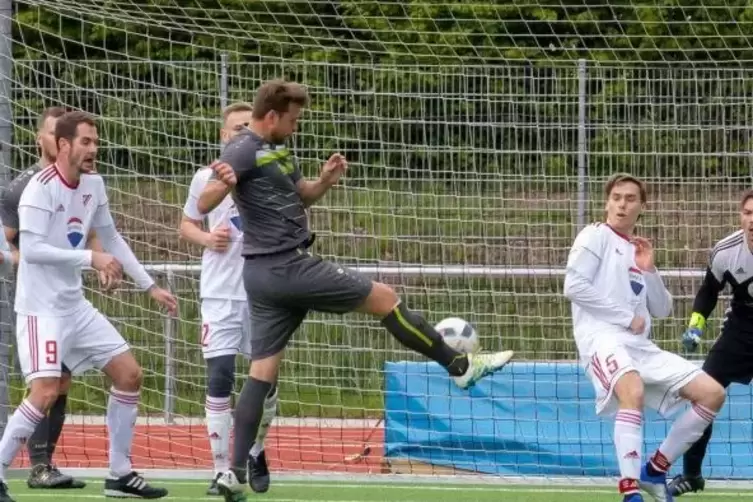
(214, 489)
(47, 477)
(258, 471)
(682, 484)
(133, 486)
(4, 497)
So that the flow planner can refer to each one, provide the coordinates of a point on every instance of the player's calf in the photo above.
(628, 432)
(414, 332)
(220, 380)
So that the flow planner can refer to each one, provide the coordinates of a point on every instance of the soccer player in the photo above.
(225, 319)
(731, 357)
(283, 280)
(55, 323)
(41, 445)
(615, 289)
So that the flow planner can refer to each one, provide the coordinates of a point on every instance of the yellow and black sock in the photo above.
(414, 332)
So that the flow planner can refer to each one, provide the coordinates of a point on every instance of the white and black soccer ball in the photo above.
(458, 334)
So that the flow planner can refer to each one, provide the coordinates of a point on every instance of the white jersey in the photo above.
(604, 305)
(221, 273)
(51, 207)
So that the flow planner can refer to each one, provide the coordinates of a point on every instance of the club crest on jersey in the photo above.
(636, 280)
(75, 231)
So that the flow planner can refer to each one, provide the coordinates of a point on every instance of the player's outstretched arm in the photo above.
(311, 191)
(583, 264)
(705, 302)
(10, 236)
(191, 227)
(6, 256)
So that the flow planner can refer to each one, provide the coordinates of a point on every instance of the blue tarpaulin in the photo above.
(534, 418)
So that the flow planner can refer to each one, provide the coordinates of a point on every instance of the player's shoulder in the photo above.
(244, 140)
(729, 244)
(594, 232)
(203, 174)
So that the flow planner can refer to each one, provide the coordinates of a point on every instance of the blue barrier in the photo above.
(534, 418)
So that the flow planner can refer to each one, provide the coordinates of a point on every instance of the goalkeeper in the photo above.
(731, 357)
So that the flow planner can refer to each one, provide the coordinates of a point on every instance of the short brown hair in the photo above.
(618, 178)
(277, 95)
(239, 106)
(746, 196)
(52, 111)
(67, 125)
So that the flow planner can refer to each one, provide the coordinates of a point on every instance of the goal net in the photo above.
(478, 135)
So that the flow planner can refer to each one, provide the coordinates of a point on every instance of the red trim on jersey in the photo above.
(46, 175)
(65, 182)
(624, 236)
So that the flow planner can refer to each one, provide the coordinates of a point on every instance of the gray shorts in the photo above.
(283, 287)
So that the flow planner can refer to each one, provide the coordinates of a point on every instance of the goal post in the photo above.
(478, 138)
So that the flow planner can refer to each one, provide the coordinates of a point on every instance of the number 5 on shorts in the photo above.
(612, 364)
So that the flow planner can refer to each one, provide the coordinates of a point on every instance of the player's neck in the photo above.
(624, 232)
(258, 129)
(45, 161)
(69, 174)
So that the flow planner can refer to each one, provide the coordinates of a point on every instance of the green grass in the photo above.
(316, 491)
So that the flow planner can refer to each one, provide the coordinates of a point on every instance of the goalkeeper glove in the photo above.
(692, 336)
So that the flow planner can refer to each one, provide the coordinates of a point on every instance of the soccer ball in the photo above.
(458, 334)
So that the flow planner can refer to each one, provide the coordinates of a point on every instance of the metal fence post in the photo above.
(582, 146)
(170, 336)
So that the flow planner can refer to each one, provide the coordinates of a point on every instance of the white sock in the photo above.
(122, 410)
(268, 416)
(219, 423)
(20, 427)
(684, 433)
(628, 441)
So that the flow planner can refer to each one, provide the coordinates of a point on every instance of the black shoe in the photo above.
(46, 477)
(213, 488)
(682, 484)
(132, 486)
(74, 483)
(258, 472)
(4, 497)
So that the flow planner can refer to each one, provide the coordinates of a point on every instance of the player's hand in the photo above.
(224, 173)
(109, 268)
(333, 169)
(691, 339)
(638, 325)
(164, 298)
(219, 239)
(644, 254)
(108, 283)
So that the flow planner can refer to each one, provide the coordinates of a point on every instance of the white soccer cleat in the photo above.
(481, 365)
(230, 488)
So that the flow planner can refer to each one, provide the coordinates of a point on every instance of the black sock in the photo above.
(248, 413)
(414, 332)
(38, 443)
(56, 416)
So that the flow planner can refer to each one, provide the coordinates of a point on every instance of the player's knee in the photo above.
(712, 394)
(220, 376)
(381, 301)
(629, 391)
(129, 379)
(43, 393)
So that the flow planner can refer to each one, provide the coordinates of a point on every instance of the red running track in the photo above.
(289, 448)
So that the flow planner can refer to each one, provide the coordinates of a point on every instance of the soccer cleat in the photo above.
(258, 473)
(46, 477)
(656, 486)
(231, 488)
(75, 483)
(213, 488)
(481, 365)
(4, 497)
(133, 486)
(682, 484)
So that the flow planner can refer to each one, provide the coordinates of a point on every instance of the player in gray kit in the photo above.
(284, 281)
(41, 445)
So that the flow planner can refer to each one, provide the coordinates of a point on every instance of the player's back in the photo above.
(272, 213)
(617, 279)
(51, 290)
(221, 272)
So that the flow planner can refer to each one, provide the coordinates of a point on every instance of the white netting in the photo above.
(470, 128)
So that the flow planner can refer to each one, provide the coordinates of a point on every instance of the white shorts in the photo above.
(225, 328)
(82, 340)
(663, 374)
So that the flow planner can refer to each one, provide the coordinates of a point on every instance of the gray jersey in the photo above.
(12, 196)
(272, 213)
